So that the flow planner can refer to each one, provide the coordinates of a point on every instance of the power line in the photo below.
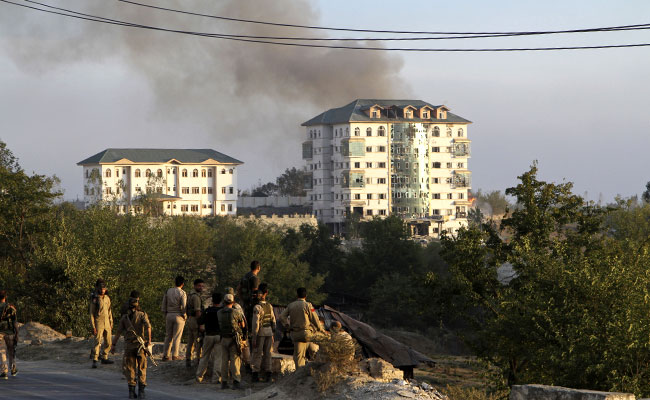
(93, 18)
(475, 36)
(604, 29)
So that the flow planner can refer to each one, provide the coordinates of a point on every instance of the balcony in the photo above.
(461, 149)
(307, 150)
(353, 180)
(461, 214)
(353, 147)
(308, 182)
(461, 180)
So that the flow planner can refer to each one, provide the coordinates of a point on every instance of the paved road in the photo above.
(52, 380)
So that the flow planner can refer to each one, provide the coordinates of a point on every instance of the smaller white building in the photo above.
(201, 182)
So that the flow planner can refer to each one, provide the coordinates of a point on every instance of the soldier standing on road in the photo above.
(173, 306)
(231, 322)
(101, 320)
(245, 353)
(303, 322)
(194, 311)
(262, 331)
(211, 350)
(134, 324)
(8, 337)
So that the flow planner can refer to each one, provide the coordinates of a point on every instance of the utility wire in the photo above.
(93, 18)
(476, 36)
(603, 29)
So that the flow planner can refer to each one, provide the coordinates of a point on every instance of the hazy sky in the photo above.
(69, 89)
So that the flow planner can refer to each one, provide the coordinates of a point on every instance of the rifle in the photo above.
(143, 345)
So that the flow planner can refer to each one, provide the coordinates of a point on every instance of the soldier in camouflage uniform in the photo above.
(101, 320)
(262, 330)
(134, 324)
(231, 322)
(8, 337)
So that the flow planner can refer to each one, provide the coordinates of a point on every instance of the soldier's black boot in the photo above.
(107, 361)
(141, 394)
(235, 385)
(255, 377)
(188, 363)
(132, 392)
(14, 370)
(94, 364)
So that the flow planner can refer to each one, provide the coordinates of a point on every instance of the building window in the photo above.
(184, 173)
(108, 173)
(450, 196)
(369, 132)
(159, 173)
(231, 190)
(425, 115)
(223, 171)
(381, 181)
(185, 190)
(448, 132)
(117, 172)
(449, 165)
(435, 149)
(195, 190)
(357, 165)
(210, 173)
(368, 165)
(357, 196)
(409, 114)
(435, 180)
(184, 207)
(204, 173)
(382, 196)
(369, 196)
(231, 171)
(194, 207)
(108, 190)
(436, 196)
(460, 165)
(375, 114)
(461, 196)
(381, 131)
(195, 173)
(223, 207)
(368, 149)
(147, 173)
(435, 165)
(382, 212)
(357, 132)
(368, 212)
(209, 190)
(204, 190)
(460, 132)
(229, 207)
(174, 170)
(138, 189)
(223, 190)
(436, 132)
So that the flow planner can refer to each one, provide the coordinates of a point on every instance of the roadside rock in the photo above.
(35, 332)
(380, 370)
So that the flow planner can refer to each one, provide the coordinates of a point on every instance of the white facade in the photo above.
(407, 165)
(201, 189)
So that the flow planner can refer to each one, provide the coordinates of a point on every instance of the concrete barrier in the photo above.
(543, 392)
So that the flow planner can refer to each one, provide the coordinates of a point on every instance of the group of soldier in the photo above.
(239, 326)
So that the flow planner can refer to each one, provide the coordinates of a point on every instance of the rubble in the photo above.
(34, 332)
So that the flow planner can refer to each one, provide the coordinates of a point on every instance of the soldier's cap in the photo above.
(229, 299)
(133, 301)
(229, 290)
(100, 283)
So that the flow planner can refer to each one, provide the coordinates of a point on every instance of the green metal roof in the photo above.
(155, 156)
(354, 112)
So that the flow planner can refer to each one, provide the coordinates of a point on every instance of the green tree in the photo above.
(292, 182)
(575, 313)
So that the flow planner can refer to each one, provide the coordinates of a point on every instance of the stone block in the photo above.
(282, 364)
(543, 392)
(380, 369)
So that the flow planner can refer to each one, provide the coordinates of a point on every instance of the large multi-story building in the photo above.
(198, 182)
(381, 157)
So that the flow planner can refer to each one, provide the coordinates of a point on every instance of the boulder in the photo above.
(543, 392)
(380, 370)
(282, 364)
